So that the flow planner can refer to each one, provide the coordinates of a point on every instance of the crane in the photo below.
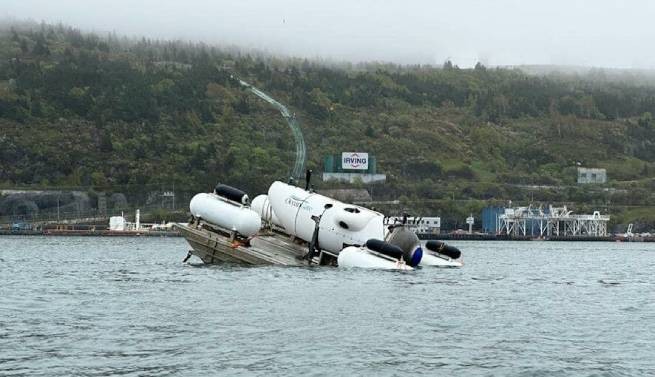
(301, 150)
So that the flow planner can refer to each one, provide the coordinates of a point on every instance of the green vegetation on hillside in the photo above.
(78, 109)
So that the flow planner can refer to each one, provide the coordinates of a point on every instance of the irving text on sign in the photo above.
(354, 160)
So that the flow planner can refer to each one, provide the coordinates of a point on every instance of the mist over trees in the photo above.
(78, 109)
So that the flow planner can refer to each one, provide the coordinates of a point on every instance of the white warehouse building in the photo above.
(589, 175)
(423, 225)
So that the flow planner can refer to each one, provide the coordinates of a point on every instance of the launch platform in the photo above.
(214, 245)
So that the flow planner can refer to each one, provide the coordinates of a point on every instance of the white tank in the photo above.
(228, 215)
(341, 224)
(360, 257)
(117, 223)
(262, 206)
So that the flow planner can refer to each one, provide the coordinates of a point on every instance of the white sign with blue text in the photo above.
(354, 161)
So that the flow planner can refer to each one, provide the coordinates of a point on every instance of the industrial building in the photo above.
(490, 219)
(421, 225)
(544, 223)
(588, 175)
(352, 167)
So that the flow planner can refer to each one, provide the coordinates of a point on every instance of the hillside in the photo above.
(110, 113)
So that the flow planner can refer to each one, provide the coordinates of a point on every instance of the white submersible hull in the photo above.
(361, 257)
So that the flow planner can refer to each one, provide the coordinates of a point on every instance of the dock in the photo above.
(88, 233)
(506, 237)
(471, 237)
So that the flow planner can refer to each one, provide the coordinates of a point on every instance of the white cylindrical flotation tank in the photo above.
(227, 215)
(262, 206)
(361, 257)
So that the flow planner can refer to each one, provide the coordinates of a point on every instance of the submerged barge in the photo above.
(214, 245)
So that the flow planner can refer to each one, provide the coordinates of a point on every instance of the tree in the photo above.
(14, 35)
(41, 46)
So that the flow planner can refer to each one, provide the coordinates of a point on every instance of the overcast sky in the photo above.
(602, 33)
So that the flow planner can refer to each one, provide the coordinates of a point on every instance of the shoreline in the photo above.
(90, 233)
(422, 237)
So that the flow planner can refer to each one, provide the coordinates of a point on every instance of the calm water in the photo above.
(127, 306)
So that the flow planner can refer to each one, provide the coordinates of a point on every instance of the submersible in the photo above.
(297, 226)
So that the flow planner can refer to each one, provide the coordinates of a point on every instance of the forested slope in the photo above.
(107, 113)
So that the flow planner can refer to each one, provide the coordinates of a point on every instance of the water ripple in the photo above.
(106, 307)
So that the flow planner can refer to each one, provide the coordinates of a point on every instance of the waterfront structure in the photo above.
(470, 221)
(352, 167)
(552, 222)
(490, 219)
(589, 175)
(120, 224)
(420, 225)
